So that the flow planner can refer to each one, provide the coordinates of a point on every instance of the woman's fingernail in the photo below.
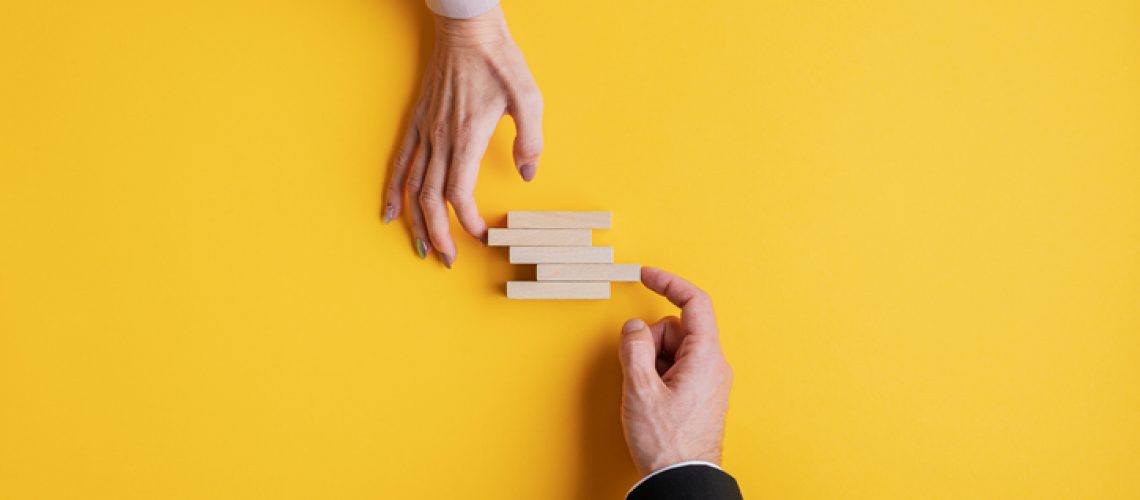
(422, 248)
(447, 260)
(528, 171)
(389, 213)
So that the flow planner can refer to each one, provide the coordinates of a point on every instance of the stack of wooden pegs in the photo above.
(560, 244)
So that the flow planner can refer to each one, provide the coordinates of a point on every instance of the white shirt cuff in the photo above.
(461, 9)
(669, 467)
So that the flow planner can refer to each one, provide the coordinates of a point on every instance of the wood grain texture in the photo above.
(589, 272)
(500, 237)
(558, 290)
(562, 255)
(558, 220)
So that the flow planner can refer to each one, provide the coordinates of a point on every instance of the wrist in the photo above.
(487, 28)
(675, 462)
(674, 457)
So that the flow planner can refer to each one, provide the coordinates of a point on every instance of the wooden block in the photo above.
(558, 290)
(546, 255)
(499, 237)
(589, 272)
(558, 220)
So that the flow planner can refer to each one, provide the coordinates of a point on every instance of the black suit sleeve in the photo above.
(690, 482)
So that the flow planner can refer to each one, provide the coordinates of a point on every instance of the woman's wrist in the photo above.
(487, 28)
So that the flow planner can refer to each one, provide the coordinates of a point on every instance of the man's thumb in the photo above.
(638, 351)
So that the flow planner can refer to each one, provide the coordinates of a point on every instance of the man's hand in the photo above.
(676, 380)
(476, 75)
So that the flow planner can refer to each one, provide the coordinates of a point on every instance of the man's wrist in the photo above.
(708, 454)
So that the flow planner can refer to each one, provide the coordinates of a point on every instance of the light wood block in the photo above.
(499, 237)
(589, 272)
(558, 220)
(558, 290)
(547, 255)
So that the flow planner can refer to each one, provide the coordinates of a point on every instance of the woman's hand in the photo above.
(476, 75)
(676, 380)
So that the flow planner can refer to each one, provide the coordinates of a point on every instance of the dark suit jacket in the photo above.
(688, 482)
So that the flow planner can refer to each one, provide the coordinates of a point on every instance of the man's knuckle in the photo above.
(702, 298)
(524, 97)
(530, 97)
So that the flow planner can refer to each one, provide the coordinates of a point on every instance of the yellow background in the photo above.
(920, 222)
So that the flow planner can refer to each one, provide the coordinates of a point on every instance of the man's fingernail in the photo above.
(528, 171)
(389, 213)
(422, 248)
(447, 260)
(633, 325)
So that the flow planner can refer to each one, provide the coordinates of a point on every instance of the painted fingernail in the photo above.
(447, 260)
(422, 248)
(389, 213)
(528, 171)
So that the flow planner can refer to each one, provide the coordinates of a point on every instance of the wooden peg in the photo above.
(558, 220)
(589, 272)
(499, 237)
(545, 255)
(557, 290)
